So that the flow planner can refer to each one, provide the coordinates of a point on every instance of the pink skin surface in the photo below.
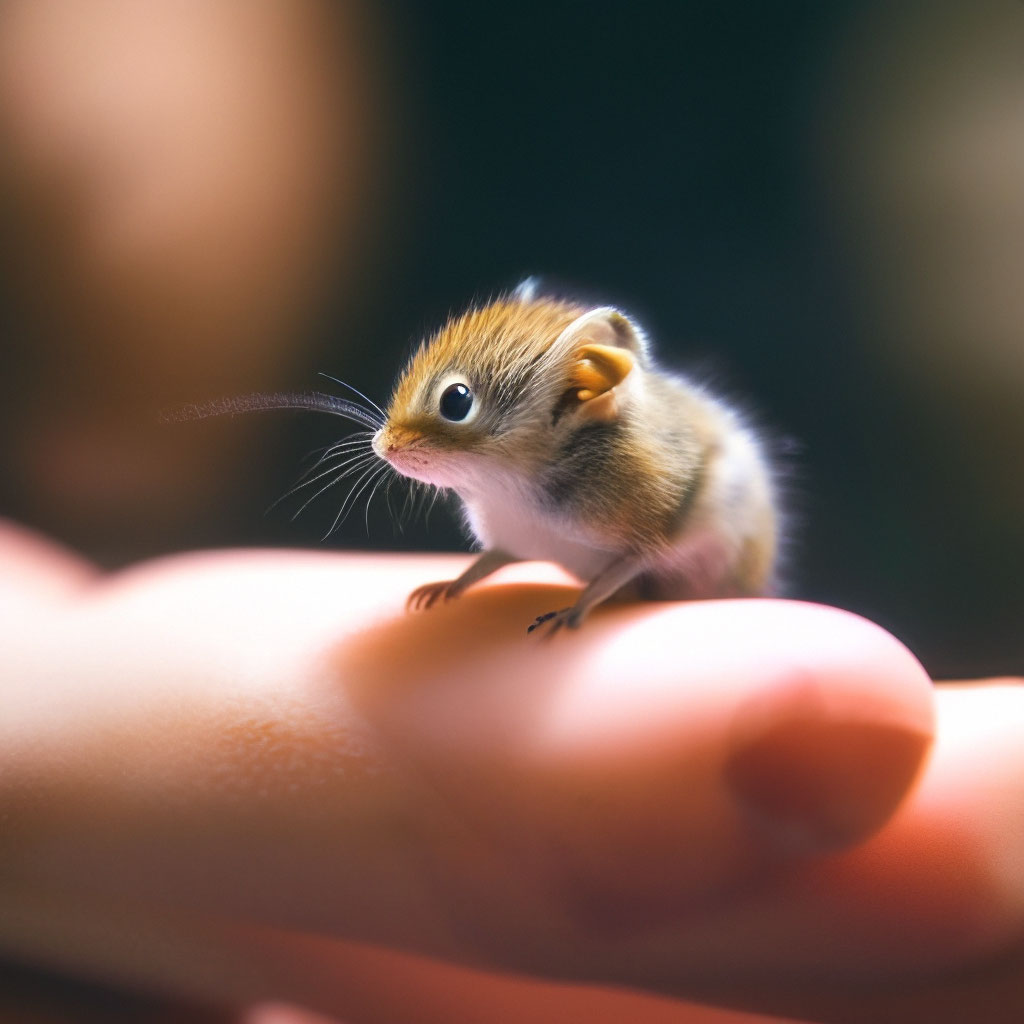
(251, 776)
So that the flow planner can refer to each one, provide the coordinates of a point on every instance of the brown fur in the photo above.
(495, 339)
(588, 444)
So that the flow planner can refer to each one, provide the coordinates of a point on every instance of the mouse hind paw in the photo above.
(429, 594)
(571, 617)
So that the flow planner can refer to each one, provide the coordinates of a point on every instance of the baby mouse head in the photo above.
(498, 387)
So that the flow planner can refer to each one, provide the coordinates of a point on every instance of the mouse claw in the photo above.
(540, 620)
(566, 617)
(426, 596)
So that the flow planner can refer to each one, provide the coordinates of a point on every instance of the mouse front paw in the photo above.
(428, 595)
(571, 617)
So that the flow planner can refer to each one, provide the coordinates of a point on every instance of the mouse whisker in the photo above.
(383, 479)
(418, 493)
(357, 437)
(410, 497)
(346, 472)
(356, 391)
(337, 467)
(360, 485)
(334, 451)
(314, 401)
(396, 522)
(438, 491)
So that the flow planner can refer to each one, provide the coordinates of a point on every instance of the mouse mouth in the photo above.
(410, 464)
(408, 453)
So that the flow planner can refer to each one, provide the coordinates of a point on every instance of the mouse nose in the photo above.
(392, 440)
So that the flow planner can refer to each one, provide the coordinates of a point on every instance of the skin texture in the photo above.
(250, 776)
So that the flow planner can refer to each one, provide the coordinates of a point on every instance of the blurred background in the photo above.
(816, 206)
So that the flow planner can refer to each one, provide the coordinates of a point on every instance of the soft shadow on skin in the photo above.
(776, 735)
(606, 830)
(623, 836)
(399, 653)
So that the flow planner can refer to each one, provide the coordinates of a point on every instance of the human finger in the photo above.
(35, 569)
(922, 923)
(269, 736)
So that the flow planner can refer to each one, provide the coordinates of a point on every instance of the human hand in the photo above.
(249, 776)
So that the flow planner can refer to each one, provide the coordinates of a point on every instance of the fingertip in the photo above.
(824, 756)
(659, 759)
(34, 567)
(812, 783)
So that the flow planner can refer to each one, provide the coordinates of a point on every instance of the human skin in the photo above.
(250, 776)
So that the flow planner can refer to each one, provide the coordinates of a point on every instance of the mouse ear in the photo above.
(605, 325)
(527, 290)
(599, 368)
(603, 347)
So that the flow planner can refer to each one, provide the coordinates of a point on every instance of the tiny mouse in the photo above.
(566, 442)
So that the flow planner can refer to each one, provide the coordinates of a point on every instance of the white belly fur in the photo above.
(702, 557)
(516, 527)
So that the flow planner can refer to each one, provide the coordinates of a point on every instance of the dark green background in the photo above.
(665, 157)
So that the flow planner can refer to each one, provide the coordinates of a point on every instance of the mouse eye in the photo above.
(456, 401)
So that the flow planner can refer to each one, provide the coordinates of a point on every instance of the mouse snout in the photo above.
(391, 440)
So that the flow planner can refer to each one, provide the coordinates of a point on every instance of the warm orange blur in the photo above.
(186, 184)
